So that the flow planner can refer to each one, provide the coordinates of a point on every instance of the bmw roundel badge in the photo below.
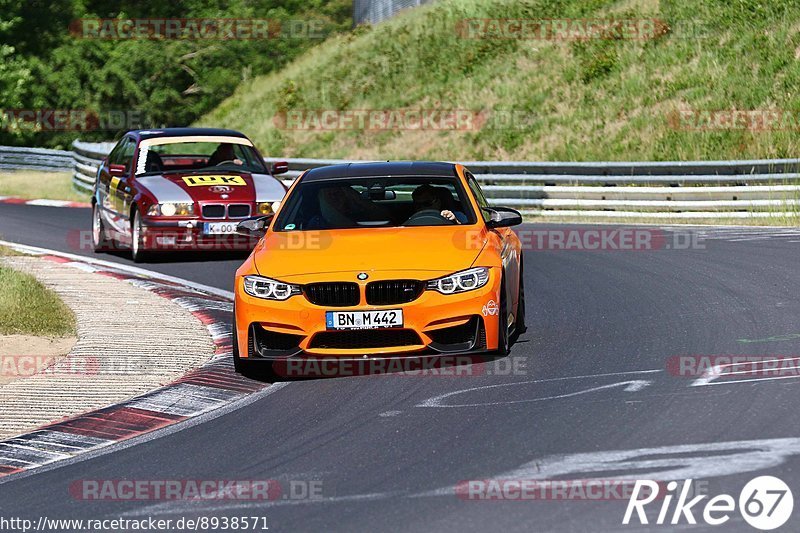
(362, 276)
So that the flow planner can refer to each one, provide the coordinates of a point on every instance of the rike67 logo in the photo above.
(765, 503)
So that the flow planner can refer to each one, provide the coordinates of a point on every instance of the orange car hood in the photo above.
(447, 249)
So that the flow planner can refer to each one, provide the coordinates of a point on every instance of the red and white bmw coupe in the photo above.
(181, 189)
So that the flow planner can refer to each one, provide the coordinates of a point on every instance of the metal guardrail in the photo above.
(18, 158)
(686, 189)
(671, 173)
(87, 158)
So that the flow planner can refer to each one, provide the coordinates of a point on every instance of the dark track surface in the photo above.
(595, 319)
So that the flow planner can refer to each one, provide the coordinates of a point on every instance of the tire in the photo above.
(503, 337)
(137, 253)
(100, 241)
(520, 326)
(237, 361)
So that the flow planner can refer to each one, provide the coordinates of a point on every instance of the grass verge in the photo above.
(29, 308)
(9, 252)
(33, 185)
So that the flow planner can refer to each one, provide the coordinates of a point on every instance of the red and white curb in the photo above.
(207, 388)
(44, 203)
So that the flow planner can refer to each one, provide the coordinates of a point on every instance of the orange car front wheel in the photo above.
(503, 336)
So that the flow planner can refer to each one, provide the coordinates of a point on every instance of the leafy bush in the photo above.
(150, 82)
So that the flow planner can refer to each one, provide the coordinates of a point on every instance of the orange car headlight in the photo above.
(270, 289)
(466, 280)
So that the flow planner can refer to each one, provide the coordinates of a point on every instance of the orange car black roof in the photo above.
(366, 170)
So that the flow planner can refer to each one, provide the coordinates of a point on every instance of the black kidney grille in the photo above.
(239, 210)
(393, 292)
(214, 211)
(333, 294)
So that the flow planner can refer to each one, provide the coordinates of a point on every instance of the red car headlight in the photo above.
(171, 209)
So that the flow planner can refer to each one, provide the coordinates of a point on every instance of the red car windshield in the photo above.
(194, 156)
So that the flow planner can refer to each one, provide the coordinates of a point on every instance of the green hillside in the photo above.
(611, 98)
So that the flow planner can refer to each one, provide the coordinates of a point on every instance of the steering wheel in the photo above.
(428, 217)
(231, 161)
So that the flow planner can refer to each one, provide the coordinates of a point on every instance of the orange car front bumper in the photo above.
(433, 323)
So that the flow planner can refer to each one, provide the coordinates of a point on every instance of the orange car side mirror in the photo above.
(254, 227)
(504, 217)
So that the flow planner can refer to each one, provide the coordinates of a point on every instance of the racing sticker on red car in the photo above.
(490, 308)
(196, 181)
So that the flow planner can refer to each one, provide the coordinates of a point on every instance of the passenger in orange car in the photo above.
(341, 206)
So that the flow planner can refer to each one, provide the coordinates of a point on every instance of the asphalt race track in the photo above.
(586, 393)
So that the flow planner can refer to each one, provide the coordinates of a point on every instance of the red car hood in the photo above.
(213, 186)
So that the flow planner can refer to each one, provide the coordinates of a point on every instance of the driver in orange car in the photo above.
(429, 198)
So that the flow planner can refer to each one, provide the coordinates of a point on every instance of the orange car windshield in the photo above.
(375, 202)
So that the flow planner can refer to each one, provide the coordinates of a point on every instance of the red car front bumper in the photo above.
(170, 236)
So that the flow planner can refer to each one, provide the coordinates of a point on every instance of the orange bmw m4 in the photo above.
(379, 260)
